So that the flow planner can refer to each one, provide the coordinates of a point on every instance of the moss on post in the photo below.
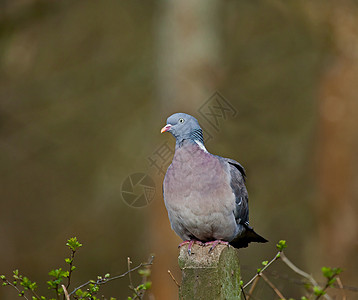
(214, 275)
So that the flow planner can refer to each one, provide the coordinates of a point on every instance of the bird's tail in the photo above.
(249, 236)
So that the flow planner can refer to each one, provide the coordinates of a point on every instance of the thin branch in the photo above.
(263, 269)
(256, 280)
(35, 294)
(65, 291)
(129, 273)
(278, 293)
(105, 280)
(70, 270)
(340, 285)
(175, 281)
(302, 273)
(16, 288)
(243, 292)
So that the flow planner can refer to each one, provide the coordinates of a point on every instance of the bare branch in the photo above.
(105, 280)
(340, 285)
(175, 281)
(16, 288)
(263, 269)
(65, 291)
(302, 273)
(256, 280)
(278, 293)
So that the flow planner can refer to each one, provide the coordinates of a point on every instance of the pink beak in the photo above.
(165, 128)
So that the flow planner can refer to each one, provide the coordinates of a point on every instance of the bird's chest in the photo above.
(198, 171)
(195, 176)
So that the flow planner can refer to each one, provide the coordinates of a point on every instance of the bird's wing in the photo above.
(237, 183)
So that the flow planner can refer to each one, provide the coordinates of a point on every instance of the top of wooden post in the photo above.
(209, 275)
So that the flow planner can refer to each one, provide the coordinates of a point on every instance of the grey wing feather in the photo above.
(237, 184)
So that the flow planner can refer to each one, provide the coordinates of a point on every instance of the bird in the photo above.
(205, 194)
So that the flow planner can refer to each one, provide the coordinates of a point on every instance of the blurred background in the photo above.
(86, 86)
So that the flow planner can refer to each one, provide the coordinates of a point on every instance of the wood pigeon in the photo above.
(205, 194)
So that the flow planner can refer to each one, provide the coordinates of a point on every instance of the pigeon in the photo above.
(205, 194)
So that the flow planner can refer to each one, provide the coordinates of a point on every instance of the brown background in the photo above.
(85, 87)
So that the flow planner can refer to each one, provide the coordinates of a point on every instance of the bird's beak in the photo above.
(165, 128)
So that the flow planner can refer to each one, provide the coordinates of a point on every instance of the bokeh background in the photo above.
(85, 87)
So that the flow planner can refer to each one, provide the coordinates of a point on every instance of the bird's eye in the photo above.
(181, 120)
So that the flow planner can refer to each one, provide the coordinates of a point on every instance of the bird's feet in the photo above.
(215, 243)
(191, 243)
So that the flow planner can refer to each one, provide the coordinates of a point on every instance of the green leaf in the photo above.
(68, 260)
(330, 272)
(79, 293)
(318, 291)
(140, 287)
(27, 284)
(73, 244)
(107, 275)
(144, 272)
(59, 273)
(93, 288)
(264, 263)
(281, 245)
(148, 285)
(3, 277)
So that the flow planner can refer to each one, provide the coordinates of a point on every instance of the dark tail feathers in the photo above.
(249, 236)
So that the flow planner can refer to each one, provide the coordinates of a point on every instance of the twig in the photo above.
(105, 280)
(278, 293)
(340, 285)
(15, 287)
(256, 280)
(243, 292)
(65, 291)
(263, 269)
(131, 286)
(175, 281)
(129, 273)
(302, 273)
(70, 268)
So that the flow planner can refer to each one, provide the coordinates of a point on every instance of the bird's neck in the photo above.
(197, 135)
(195, 138)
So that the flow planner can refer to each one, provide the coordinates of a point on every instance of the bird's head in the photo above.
(183, 126)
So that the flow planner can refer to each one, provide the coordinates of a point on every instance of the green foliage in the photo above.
(316, 291)
(27, 284)
(73, 244)
(281, 245)
(60, 276)
(330, 274)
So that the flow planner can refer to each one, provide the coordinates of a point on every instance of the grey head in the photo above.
(183, 127)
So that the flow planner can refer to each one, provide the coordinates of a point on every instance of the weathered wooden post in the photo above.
(214, 275)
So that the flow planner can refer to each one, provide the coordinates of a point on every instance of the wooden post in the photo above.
(214, 275)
